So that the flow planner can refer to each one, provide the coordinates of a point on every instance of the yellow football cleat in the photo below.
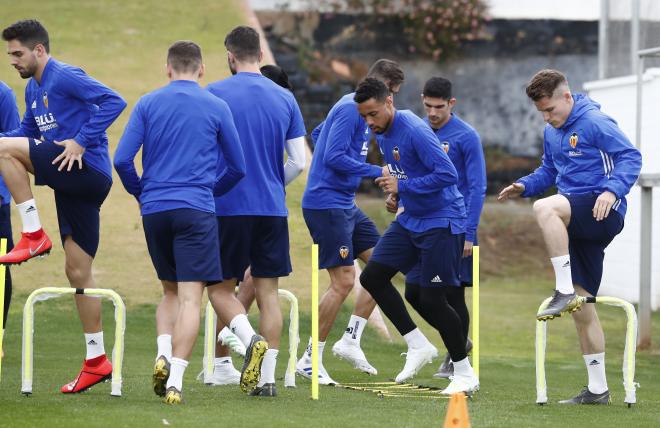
(160, 376)
(173, 396)
(254, 356)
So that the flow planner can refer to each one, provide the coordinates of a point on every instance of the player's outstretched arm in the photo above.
(512, 191)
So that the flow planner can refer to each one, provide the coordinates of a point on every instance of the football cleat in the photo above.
(267, 390)
(173, 396)
(94, 370)
(560, 304)
(304, 369)
(160, 376)
(587, 397)
(225, 374)
(465, 384)
(254, 356)
(415, 360)
(227, 338)
(351, 352)
(446, 369)
(32, 244)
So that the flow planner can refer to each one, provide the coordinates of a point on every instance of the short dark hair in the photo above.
(544, 83)
(437, 87)
(244, 43)
(387, 70)
(371, 88)
(184, 56)
(29, 32)
(277, 75)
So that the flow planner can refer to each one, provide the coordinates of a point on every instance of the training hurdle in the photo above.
(210, 339)
(628, 353)
(42, 294)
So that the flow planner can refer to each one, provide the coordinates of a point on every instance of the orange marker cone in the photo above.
(457, 412)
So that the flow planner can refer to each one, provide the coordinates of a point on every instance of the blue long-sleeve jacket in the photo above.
(338, 163)
(589, 153)
(68, 104)
(463, 145)
(9, 120)
(183, 130)
(426, 176)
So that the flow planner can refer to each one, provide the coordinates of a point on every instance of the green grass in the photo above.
(507, 376)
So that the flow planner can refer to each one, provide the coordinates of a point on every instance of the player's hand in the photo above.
(392, 203)
(512, 191)
(389, 184)
(603, 205)
(386, 171)
(72, 153)
(467, 248)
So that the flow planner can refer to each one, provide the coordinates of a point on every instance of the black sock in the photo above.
(435, 309)
(5, 310)
(376, 280)
(456, 299)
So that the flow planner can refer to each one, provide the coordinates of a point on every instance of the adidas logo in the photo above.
(594, 363)
(30, 209)
(92, 342)
(436, 279)
(567, 264)
(34, 104)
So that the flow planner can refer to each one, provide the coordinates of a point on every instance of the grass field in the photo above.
(123, 44)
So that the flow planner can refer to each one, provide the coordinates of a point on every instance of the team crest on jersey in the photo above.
(395, 153)
(343, 251)
(45, 98)
(573, 140)
(445, 146)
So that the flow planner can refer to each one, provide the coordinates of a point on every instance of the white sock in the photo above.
(164, 342)
(416, 339)
(596, 371)
(29, 215)
(355, 328)
(241, 327)
(563, 279)
(94, 342)
(222, 362)
(268, 367)
(308, 351)
(177, 369)
(463, 368)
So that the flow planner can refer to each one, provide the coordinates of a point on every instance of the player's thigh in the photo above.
(80, 219)
(440, 257)
(196, 247)
(269, 254)
(365, 236)
(236, 234)
(160, 243)
(555, 204)
(17, 148)
(396, 249)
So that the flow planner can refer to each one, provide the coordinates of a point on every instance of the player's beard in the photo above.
(231, 66)
(28, 71)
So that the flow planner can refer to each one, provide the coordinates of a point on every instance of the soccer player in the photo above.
(62, 141)
(463, 145)
(430, 231)
(9, 120)
(183, 130)
(252, 217)
(593, 165)
(342, 231)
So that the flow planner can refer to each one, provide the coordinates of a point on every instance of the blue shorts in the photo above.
(465, 273)
(79, 194)
(183, 245)
(342, 235)
(437, 251)
(587, 240)
(261, 242)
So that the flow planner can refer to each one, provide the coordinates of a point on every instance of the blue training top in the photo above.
(589, 153)
(9, 120)
(183, 129)
(338, 165)
(68, 104)
(463, 145)
(266, 116)
(427, 178)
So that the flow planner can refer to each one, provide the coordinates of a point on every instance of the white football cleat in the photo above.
(465, 384)
(304, 369)
(227, 338)
(223, 374)
(351, 352)
(415, 360)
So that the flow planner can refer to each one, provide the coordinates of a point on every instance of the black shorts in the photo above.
(79, 194)
(261, 242)
(183, 245)
(587, 240)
